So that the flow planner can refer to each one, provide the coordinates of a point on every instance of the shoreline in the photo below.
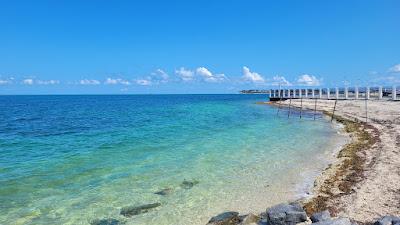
(348, 186)
(340, 177)
(329, 157)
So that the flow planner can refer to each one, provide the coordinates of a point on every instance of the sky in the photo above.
(204, 46)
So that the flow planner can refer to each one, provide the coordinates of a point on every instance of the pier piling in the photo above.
(394, 93)
(301, 106)
(337, 93)
(356, 92)
(315, 107)
(333, 112)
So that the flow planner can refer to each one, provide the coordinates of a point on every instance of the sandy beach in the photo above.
(363, 184)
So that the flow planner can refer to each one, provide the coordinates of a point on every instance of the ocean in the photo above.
(74, 159)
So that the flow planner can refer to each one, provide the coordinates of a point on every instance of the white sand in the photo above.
(379, 192)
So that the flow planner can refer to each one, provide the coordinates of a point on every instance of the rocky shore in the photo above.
(291, 214)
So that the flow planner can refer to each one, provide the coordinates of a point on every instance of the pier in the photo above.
(336, 93)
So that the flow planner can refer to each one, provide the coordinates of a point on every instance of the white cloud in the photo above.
(251, 76)
(117, 81)
(89, 82)
(28, 81)
(143, 82)
(156, 77)
(208, 76)
(6, 81)
(184, 74)
(159, 76)
(395, 68)
(280, 80)
(204, 72)
(47, 82)
(308, 80)
(162, 74)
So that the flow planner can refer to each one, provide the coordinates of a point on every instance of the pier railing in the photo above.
(337, 93)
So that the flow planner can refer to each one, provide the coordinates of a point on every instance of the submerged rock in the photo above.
(226, 218)
(388, 220)
(163, 192)
(286, 214)
(135, 210)
(109, 221)
(188, 184)
(320, 216)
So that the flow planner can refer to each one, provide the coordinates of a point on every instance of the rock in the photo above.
(338, 221)
(163, 192)
(320, 216)
(135, 210)
(388, 220)
(263, 221)
(296, 206)
(188, 184)
(226, 218)
(308, 222)
(250, 219)
(108, 221)
(286, 214)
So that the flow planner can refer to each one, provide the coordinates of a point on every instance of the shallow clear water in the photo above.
(73, 159)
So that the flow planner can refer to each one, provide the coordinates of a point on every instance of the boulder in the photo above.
(338, 221)
(320, 216)
(250, 219)
(188, 184)
(163, 192)
(135, 210)
(109, 221)
(388, 220)
(226, 218)
(286, 214)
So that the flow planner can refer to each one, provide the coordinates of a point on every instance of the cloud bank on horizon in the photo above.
(184, 76)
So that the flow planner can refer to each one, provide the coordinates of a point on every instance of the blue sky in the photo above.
(101, 47)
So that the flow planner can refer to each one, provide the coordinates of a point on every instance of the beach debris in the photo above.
(320, 216)
(188, 184)
(286, 214)
(226, 218)
(388, 220)
(108, 221)
(130, 211)
(163, 192)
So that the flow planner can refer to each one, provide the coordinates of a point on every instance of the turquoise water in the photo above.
(74, 159)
